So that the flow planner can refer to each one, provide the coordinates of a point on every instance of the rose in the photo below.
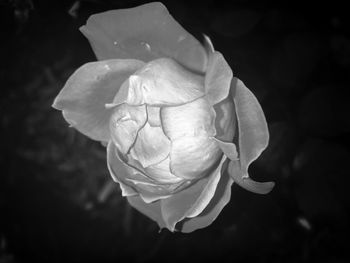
(179, 128)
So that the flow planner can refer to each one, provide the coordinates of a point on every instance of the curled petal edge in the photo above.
(211, 212)
(253, 137)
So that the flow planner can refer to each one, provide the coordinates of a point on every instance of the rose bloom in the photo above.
(179, 128)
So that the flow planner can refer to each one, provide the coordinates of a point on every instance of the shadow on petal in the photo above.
(145, 32)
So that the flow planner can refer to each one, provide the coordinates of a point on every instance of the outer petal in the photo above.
(118, 170)
(253, 136)
(145, 32)
(83, 98)
(192, 201)
(151, 210)
(210, 213)
(218, 78)
(247, 183)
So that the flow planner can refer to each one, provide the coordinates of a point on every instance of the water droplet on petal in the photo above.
(147, 46)
(181, 38)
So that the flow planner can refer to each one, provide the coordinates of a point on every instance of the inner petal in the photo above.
(189, 119)
(164, 82)
(191, 157)
(161, 172)
(225, 120)
(151, 146)
(153, 116)
(124, 125)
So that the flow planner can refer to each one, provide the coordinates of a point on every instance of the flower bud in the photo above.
(165, 127)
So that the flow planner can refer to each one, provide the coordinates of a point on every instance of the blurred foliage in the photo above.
(57, 200)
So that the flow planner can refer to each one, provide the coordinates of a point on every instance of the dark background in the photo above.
(57, 203)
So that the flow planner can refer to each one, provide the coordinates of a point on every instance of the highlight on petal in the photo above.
(83, 98)
(191, 157)
(152, 210)
(218, 78)
(225, 120)
(125, 123)
(164, 82)
(246, 182)
(253, 136)
(151, 146)
(210, 213)
(118, 170)
(208, 45)
(161, 173)
(190, 119)
(145, 32)
(191, 201)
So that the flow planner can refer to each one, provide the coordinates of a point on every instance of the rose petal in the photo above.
(253, 136)
(125, 124)
(132, 181)
(247, 183)
(218, 78)
(152, 210)
(145, 32)
(228, 148)
(151, 146)
(83, 98)
(225, 120)
(161, 173)
(190, 119)
(164, 82)
(118, 170)
(144, 183)
(208, 45)
(210, 213)
(190, 157)
(153, 116)
(191, 201)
